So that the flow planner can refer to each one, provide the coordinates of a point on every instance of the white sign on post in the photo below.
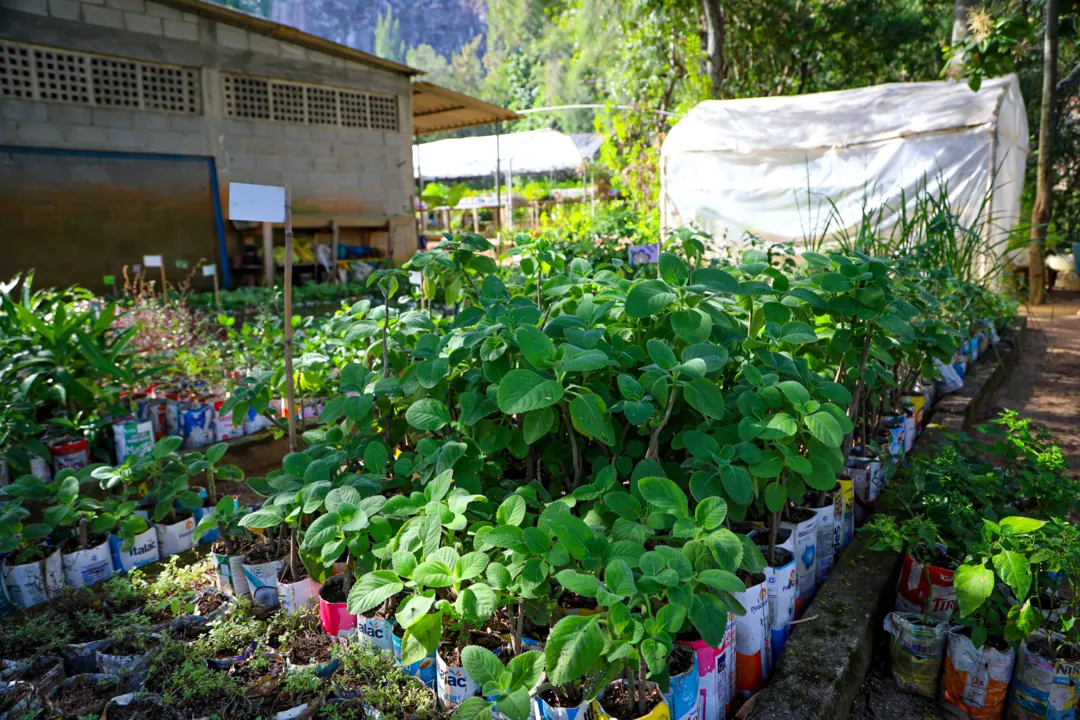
(209, 270)
(415, 278)
(257, 203)
(151, 260)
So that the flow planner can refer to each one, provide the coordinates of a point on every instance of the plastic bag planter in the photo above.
(682, 695)
(144, 551)
(546, 711)
(88, 566)
(229, 574)
(33, 583)
(1044, 688)
(150, 703)
(925, 588)
(130, 669)
(976, 680)
(916, 650)
(107, 691)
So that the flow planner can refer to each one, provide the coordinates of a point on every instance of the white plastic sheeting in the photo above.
(523, 153)
(789, 168)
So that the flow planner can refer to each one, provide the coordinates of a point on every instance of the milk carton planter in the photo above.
(45, 671)
(424, 670)
(830, 535)
(453, 685)
(548, 707)
(803, 526)
(1044, 688)
(333, 608)
(229, 572)
(129, 659)
(261, 579)
(606, 705)
(296, 596)
(143, 551)
(133, 438)
(32, 583)
(176, 537)
(375, 632)
(782, 587)
(69, 454)
(88, 566)
(682, 695)
(752, 643)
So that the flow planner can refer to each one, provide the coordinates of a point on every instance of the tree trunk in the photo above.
(714, 44)
(1044, 185)
(959, 32)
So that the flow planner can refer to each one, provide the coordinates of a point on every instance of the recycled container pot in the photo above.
(1043, 688)
(716, 673)
(830, 536)
(782, 588)
(143, 551)
(229, 574)
(227, 663)
(132, 438)
(976, 680)
(916, 650)
(805, 534)
(453, 685)
(545, 711)
(131, 669)
(33, 583)
(150, 701)
(926, 589)
(298, 595)
(910, 430)
(80, 658)
(45, 671)
(682, 695)
(85, 679)
(262, 581)
(599, 712)
(375, 632)
(175, 538)
(224, 427)
(88, 566)
(69, 454)
(752, 646)
(847, 523)
(335, 617)
(424, 670)
(40, 468)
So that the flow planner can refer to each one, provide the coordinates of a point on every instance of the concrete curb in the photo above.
(827, 658)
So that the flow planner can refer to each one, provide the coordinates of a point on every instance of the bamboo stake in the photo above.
(290, 392)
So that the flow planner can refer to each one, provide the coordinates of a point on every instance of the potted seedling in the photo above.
(132, 541)
(506, 689)
(231, 547)
(33, 572)
(382, 688)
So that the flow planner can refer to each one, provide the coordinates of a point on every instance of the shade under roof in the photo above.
(436, 108)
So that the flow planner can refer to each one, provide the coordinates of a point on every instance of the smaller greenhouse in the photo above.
(732, 167)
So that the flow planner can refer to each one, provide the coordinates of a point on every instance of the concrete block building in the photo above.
(123, 121)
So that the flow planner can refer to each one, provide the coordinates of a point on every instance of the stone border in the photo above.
(827, 658)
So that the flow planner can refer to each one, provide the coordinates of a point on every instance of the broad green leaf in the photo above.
(648, 298)
(536, 346)
(692, 325)
(825, 429)
(511, 511)
(574, 646)
(591, 417)
(1019, 525)
(523, 390)
(973, 583)
(481, 664)
(661, 354)
(1014, 570)
(427, 415)
(538, 423)
(665, 496)
(705, 397)
(673, 269)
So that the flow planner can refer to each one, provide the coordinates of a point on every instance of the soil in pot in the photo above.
(568, 696)
(621, 706)
(387, 610)
(781, 557)
(24, 637)
(82, 699)
(207, 603)
(240, 546)
(92, 541)
(572, 601)
(311, 648)
(680, 661)
(1040, 646)
(797, 514)
(262, 553)
(450, 652)
(285, 576)
(750, 579)
(333, 590)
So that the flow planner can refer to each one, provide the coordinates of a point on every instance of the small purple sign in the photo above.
(644, 254)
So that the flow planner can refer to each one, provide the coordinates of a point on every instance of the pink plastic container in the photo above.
(335, 617)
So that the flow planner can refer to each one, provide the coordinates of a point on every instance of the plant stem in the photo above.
(84, 538)
(654, 440)
(573, 449)
(349, 567)
(774, 527)
(642, 691)
(211, 486)
(385, 327)
(519, 627)
(631, 688)
(294, 559)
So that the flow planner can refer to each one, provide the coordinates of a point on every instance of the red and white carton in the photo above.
(925, 587)
(752, 641)
(69, 454)
(224, 428)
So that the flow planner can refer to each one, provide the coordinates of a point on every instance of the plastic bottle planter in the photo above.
(830, 535)
(424, 669)
(916, 650)
(976, 680)
(229, 572)
(175, 538)
(335, 616)
(805, 533)
(925, 587)
(597, 711)
(782, 588)
(377, 633)
(143, 552)
(1044, 688)
(89, 566)
(682, 695)
(262, 583)
(33, 583)
(298, 595)
(752, 643)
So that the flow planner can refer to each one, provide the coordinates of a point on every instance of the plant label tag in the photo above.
(415, 278)
(258, 203)
(182, 264)
(209, 270)
(151, 260)
(136, 269)
(644, 254)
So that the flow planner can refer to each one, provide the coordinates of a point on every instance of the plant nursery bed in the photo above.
(827, 660)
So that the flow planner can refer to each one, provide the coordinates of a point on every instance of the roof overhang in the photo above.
(436, 109)
(287, 34)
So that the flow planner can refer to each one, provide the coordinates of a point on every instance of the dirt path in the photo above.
(1045, 385)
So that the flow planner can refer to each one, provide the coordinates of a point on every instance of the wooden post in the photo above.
(268, 252)
(476, 221)
(290, 391)
(333, 250)
(164, 283)
(217, 292)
